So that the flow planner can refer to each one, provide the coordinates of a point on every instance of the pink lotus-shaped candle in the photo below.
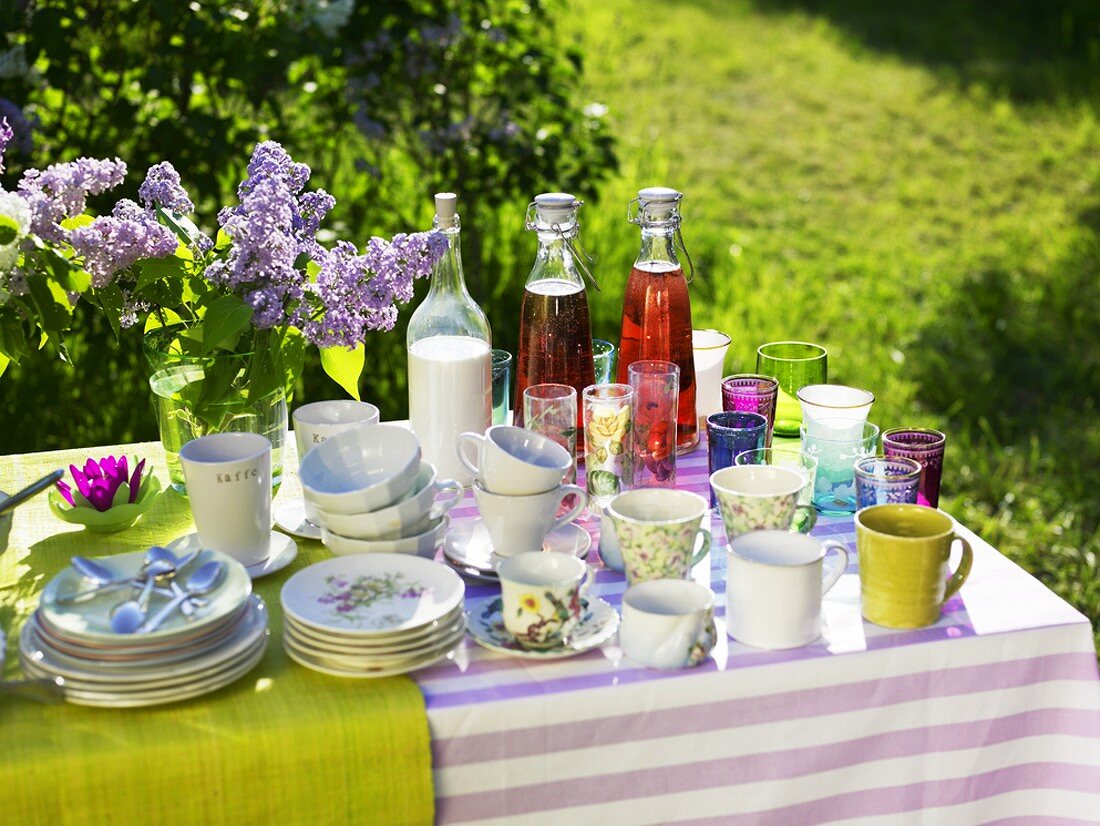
(108, 497)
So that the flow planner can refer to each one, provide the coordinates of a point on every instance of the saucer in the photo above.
(291, 517)
(468, 548)
(598, 624)
(282, 551)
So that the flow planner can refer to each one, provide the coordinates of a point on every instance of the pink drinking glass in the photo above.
(656, 386)
(925, 446)
(751, 393)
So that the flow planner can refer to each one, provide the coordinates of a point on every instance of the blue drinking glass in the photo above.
(731, 433)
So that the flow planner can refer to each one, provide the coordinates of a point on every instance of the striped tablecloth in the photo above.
(993, 713)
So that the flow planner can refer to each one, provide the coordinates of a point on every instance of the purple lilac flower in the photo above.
(61, 190)
(162, 186)
(100, 481)
(110, 244)
(6, 134)
(22, 139)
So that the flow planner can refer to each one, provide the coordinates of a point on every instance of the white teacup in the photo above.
(774, 585)
(541, 596)
(515, 461)
(228, 479)
(517, 524)
(316, 422)
(667, 623)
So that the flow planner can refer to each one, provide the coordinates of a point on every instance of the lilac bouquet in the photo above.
(261, 289)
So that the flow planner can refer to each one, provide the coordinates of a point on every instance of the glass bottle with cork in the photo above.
(555, 334)
(450, 363)
(656, 307)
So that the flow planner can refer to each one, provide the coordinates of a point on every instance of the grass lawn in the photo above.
(915, 189)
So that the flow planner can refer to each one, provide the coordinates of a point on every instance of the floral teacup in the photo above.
(541, 593)
(658, 529)
(760, 498)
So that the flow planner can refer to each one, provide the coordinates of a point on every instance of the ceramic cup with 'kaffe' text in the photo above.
(228, 479)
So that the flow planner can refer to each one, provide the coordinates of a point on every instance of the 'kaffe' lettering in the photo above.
(239, 476)
(318, 438)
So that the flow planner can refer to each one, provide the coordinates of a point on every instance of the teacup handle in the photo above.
(809, 520)
(962, 572)
(447, 486)
(836, 571)
(464, 439)
(575, 511)
(704, 641)
(702, 552)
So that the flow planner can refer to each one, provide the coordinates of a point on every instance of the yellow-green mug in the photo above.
(903, 556)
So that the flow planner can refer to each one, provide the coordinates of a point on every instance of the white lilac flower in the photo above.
(14, 229)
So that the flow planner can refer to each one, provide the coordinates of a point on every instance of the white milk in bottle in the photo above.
(450, 361)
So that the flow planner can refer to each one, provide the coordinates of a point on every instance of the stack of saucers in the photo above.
(209, 637)
(372, 615)
(370, 492)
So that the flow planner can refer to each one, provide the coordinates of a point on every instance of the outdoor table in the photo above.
(993, 712)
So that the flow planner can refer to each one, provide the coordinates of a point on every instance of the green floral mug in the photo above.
(658, 530)
(761, 498)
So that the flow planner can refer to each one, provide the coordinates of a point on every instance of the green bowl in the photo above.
(116, 519)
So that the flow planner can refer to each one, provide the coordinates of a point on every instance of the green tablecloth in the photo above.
(283, 744)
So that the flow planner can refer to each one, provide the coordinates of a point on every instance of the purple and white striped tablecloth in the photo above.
(991, 714)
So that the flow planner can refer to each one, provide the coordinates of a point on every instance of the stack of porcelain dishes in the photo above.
(372, 615)
(371, 493)
(139, 629)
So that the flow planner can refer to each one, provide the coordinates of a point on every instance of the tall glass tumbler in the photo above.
(729, 434)
(751, 393)
(608, 425)
(886, 481)
(603, 359)
(709, 352)
(502, 385)
(551, 409)
(794, 364)
(656, 386)
(837, 444)
(926, 446)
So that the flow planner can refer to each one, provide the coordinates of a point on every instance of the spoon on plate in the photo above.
(104, 579)
(128, 616)
(204, 580)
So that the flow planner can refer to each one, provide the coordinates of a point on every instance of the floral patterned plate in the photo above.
(326, 666)
(467, 547)
(598, 624)
(372, 594)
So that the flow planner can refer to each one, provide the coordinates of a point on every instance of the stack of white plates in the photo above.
(372, 615)
(186, 656)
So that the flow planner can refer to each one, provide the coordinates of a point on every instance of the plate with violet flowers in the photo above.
(106, 496)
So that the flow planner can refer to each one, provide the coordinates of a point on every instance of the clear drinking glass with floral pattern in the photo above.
(551, 409)
(656, 386)
(837, 444)
(608, 426)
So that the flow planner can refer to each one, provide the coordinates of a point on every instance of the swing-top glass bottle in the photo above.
(656, 307)
(450, 362)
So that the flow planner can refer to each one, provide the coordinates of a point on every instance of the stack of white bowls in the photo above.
(221, 637)
(372, 493)
(372, 615)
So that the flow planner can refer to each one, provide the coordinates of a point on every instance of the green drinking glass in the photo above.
(794, 364)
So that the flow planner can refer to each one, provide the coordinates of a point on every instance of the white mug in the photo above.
(228, 479)
(541, 596)
(667, 623)
(519, 523)
(514, 461)
(316, 422)
(774, 587)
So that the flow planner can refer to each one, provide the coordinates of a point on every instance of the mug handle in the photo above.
(810, 520)
(447, 486)
(703, 642)
(837, 570)
(702, 552)
(464, 439)
(962, 572)
(575, 511)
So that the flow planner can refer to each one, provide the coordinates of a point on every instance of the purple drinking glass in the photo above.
(729, 434)
(926, 446)
(751, 393)
(886, 481)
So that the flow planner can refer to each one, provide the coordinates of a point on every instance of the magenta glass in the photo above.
(751, 393)
(656, 386)
(924, 445)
